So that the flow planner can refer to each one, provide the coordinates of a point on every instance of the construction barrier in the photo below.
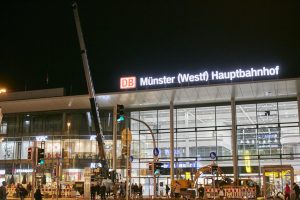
(233, 192)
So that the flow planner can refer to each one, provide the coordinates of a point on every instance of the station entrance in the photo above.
(275, 177)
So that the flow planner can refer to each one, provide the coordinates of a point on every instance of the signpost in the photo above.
(213, 155)
(155, 151)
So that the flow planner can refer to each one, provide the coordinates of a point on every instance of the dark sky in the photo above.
(39, 39)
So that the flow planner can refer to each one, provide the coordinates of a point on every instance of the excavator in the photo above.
(187, 187)
(213, 184)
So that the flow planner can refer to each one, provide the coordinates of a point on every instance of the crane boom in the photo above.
(89, 81)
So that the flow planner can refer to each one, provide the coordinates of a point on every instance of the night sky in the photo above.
(40, 48)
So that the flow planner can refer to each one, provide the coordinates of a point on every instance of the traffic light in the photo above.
(41, 156)
(150, 166)
(214, 169)
(158, 168)
(120, 113)
(30, 153)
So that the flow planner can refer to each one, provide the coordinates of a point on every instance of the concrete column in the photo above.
(172, 141)
(64, 122)
(234, 140)
(114, 150)
(298, 101)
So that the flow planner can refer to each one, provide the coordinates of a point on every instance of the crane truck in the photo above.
(92, 98)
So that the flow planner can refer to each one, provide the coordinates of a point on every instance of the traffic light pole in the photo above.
(127, 185)
(155, 158)
(33, 163)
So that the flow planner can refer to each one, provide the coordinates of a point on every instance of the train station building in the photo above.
(249, 118)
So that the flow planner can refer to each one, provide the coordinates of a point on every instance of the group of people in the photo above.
(291, 193)
(99, 190)
(20, 191)
(118, 190)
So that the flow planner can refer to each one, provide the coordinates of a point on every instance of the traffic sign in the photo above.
(213, 155)
(130, 158)
(155, 151)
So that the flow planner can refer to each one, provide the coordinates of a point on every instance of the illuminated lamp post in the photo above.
(2, 90)
(155, 157)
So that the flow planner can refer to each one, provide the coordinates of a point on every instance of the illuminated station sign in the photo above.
(197, 78)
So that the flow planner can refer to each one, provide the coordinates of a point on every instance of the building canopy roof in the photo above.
(261, 90)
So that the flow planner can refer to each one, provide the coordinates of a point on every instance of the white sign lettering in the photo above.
(24, 170)
(203, 77)
(206, 76)
(41, 138)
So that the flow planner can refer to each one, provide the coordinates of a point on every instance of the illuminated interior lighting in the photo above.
(269, 141)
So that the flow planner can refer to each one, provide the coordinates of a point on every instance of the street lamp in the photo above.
(2, 90)
(68, 126)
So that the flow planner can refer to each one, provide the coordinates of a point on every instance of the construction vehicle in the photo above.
(214, 183)
(93, 103)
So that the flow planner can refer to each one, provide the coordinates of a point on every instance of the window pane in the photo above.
(205, 116)
(288, 111)
(223, 114)
(150, 117)
(246, 114)
(185, 117)
(164, 119)
(267, 113)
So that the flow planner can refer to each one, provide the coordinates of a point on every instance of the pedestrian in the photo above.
(98, 189)
(222, 193)
(296, 190)
(38, 195)
(3, 193)
(122, 190)
(167, 190)
(115, 190)
(257, 188)
(140, 190)
(177, 189)
(201, 191)
(135, 190)
(287, 192)
(22, 192)
(29, 188)
(102, 191)
(93, 192)
(132, 190)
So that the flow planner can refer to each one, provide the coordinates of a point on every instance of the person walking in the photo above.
(222, 193)
(201, 191)
(287, 192)
(3, 193)
(22, 192)
(140, 190)
(167, 190)
(93, 192)
(135, 190)
(122, 190)
(177, 189)
(296, 190)
(102, 191)
(29, 188)
(115, 190)
(38, 195)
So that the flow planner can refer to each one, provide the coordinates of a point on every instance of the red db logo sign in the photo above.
(128, 82)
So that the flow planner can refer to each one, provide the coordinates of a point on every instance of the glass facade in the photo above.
(267, 134)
